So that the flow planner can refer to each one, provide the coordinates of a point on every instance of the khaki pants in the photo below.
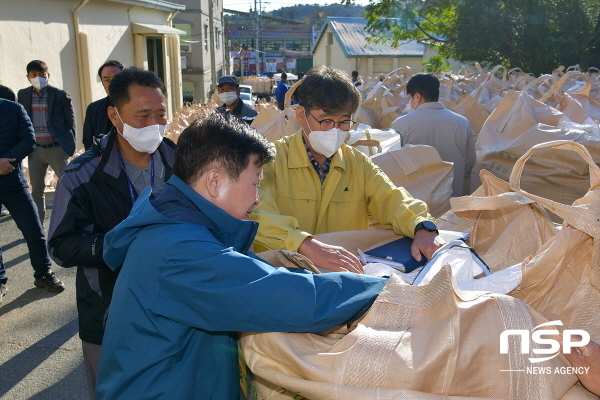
(39, 160)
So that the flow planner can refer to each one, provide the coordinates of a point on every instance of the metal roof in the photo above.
(159, 4)
(352, 36)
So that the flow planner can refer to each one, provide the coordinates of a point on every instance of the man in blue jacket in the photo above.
(188, 282)
(281, 90)
(97, 191)
(16, 142)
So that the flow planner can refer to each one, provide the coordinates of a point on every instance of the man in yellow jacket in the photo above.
(317, 184)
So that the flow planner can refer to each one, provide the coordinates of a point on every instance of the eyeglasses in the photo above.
(327, 124)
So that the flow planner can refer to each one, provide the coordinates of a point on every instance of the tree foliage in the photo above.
(535, 35)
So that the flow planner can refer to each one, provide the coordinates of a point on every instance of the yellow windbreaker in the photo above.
(294, 204)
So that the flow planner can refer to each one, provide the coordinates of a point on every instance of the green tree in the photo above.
(535, 35)
(436, 64)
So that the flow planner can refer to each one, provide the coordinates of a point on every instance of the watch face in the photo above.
(430, 226)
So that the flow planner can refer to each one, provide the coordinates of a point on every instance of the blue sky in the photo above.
(269, 5)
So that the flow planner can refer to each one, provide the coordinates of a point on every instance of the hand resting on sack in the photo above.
(588, 356)
(333, 258)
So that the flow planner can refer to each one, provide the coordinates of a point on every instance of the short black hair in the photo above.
(110, 63)
(300, 75)
(37, 66)
(328, 89)
(219, 139)
(355, 74)
(283, 76)
(426, 85)
(119, 86)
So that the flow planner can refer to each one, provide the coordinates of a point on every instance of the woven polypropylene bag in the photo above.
(276, 124)
(562, 280)
(415, 342)
(420, 170)
(506, 227)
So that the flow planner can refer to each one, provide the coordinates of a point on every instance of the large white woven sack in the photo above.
(420, 170)
(416, 342)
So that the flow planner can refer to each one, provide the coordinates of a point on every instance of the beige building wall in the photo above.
(199, 72)
(455, 65)
(45, 30)
(328, 51)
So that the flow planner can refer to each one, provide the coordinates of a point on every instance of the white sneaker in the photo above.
(4, 212)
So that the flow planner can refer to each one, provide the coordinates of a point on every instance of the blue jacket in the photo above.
(17, 140)
(92, 197)
(281, 90)
(187, 284)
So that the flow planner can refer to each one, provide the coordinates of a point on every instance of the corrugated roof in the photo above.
(352, 37)
(160, 4)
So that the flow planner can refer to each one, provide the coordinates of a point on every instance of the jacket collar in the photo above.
(230, 231)
(298, 158)
(430, 105)
(107, 147)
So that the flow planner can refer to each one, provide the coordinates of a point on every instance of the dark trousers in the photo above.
(280, 104)
(24, 212)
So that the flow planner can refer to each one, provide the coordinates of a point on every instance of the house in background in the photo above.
(203, 47)
(342, 43)
(75, 37)
(268, 44)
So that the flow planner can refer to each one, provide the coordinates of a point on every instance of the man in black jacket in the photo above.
(51, 113)
(97, 190)
(16, 142)
(96, 118)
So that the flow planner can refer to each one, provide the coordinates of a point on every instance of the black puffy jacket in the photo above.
(92, 197)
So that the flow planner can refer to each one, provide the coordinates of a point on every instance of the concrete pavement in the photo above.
(40, 351)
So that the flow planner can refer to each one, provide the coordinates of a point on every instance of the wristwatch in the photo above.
(428, 226)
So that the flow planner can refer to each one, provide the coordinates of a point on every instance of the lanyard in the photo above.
(132, 192)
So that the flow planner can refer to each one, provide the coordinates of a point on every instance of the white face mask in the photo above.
(327, 142)
(144, 140)
(39, 82)
(228, 97)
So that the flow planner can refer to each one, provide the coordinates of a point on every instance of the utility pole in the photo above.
(261, 55)
(257, 31)
(227, 47)
(211, 35)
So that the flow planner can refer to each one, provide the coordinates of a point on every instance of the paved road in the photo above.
(40, 352)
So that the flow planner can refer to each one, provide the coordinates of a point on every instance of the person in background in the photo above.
(7, 93)
(281, 90)
(318, 184)
(51, 112)
(188, 282)
(97, 191)
(17, 140)
(229, 93)
(96, 118)
(432, 124)
(355, 79)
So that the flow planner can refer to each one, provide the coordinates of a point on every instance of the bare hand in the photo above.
(588, 358)
(6, 166)
(425, 242)
(333, 258)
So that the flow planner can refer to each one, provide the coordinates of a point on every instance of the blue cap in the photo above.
(228, 80)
